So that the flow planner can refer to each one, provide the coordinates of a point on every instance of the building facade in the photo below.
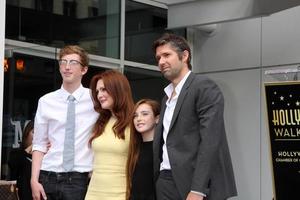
(240, 54)
(117, 34)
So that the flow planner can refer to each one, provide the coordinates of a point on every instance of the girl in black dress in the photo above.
(20, 163)
(146, 115)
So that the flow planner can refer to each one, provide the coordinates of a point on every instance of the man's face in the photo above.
(169, 63)
(71, 69)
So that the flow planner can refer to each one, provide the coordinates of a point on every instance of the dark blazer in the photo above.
(196, 142)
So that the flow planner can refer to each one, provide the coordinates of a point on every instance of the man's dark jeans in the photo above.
(65, 185)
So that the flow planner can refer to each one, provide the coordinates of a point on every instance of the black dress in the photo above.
(142, 181)
(20, 167)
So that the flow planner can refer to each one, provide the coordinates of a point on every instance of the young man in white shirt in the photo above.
(50, 179)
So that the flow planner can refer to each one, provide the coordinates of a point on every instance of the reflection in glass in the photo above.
(26, 79)
(145, 83)
(144, 23)
(94, 25)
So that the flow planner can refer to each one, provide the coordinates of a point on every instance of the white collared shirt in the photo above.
(49, 126)
(168, 115)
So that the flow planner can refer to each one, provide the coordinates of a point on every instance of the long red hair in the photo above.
(117, 86)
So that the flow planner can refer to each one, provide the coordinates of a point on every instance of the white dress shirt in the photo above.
(49, 126)
(170, 106)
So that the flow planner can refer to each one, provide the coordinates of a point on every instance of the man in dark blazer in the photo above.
(191, 154)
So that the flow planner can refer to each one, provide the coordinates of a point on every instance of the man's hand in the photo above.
(194, 196)
(37, 190)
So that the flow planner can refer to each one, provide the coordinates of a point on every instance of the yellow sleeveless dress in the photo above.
(108, 181)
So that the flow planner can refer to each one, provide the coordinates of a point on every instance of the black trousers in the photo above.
(64, 185)
(165, 187)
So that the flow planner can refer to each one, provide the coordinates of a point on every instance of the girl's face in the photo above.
(144, 120)
(104, 98)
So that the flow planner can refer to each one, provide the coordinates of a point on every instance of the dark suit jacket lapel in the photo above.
(158, 139)
(181, 97)
(161, 117)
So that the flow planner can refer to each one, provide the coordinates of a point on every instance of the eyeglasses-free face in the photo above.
(71, 63)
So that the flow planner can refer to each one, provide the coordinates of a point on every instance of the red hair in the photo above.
(117, 86)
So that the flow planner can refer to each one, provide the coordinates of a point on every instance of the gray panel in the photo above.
(266, 165)
(242, 94)
(280, 38)
(214, 11)
(234, 45)
(208, 11)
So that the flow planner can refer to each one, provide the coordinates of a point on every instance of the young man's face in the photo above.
(71, 69)
(169, 63)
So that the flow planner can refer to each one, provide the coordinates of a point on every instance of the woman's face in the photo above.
(106, 101)
(144, 120)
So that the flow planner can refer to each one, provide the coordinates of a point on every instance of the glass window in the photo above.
(144, 23)
(26, 78)
(94, 25)
(145, 83)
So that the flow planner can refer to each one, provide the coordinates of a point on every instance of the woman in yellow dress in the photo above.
(111, 140)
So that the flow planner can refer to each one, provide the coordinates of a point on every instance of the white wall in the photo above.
(236, 56)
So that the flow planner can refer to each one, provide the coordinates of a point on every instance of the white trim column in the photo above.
(2, 46)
